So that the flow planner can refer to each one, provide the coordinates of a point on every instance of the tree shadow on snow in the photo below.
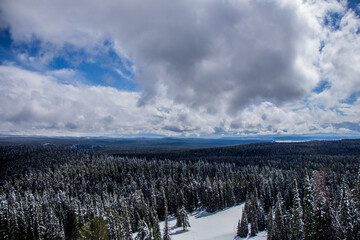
(201, 214)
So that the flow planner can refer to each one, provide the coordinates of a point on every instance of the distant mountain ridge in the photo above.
(148, 142)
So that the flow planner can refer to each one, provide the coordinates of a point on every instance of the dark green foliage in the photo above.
(297, 224)
(166, 235)
(355, 206)
(242, 228)
(94, 230)
(279, 221)
(322, 220)
(308, 209)
(269, 224)
(255, 214)
(52, 192)
(59, 199)
(182, 219)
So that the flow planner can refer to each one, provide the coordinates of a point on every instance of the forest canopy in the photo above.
(307, 190)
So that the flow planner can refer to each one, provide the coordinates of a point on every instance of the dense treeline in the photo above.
(62, 193)
(56, 200)
(323, 207)
(340, 155)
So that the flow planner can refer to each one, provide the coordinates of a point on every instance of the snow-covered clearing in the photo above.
(220, 225)
(259, 236)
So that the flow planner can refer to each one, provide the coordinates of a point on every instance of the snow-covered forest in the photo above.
(291, 190)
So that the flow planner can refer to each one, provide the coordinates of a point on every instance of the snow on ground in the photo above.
(220, 225)
(259, 236)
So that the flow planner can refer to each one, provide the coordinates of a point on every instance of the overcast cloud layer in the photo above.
(203, 67)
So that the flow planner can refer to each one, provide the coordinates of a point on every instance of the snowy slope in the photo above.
(220, 225)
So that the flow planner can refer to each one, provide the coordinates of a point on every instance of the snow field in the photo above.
(220, 225)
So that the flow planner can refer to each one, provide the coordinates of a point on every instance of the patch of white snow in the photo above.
(220, 225)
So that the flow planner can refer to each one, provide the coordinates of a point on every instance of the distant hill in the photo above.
(165, 143)
(122, 143)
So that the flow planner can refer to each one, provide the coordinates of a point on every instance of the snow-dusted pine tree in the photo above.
(322, 220)
(356, 202)
(347, 213)
(253, 215)
(269, 224)
(95, 229)
(166, 235)
(183, 219)
(278, 223)
(297, 224)
(144, 231)
(242, 229)
(308, 209)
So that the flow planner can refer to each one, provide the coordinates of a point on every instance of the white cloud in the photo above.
(38, 103)
(246, 50)
(205, 66)
(35, 103)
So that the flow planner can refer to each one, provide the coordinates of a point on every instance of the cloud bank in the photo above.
(203, 67)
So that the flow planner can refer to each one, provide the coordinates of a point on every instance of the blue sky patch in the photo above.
(353, 126)
(5, 44)
(322, 45)
(322, 86)
(355, 6)
(332, 20)
(341, 113)
(352, 98)
(103, 67)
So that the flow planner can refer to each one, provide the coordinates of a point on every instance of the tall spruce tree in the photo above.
(144, 231)
(356, 202)
(253, 215)
(347, 214)
(308, 209)
(166, 235)
(126, 222)
(243, 229)
(183, 219)
(269, 224)
(279, 230)
(322, 219)
(95, 229)
(297, 224)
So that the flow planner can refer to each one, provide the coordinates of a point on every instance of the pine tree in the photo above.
(278, 223)
(183, 219)
(356, 191)
(95, 229)
(253, 215)
(308, 214)
(261, 218)
(154, 225)
(356, 206)
(166, 235)
(144, 231)
(269, 224)
(4, 218)
(243, 229)
(322, 220)
(347, 214)
(297, 224)
(126, 222)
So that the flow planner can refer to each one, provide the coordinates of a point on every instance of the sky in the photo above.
(180, 68)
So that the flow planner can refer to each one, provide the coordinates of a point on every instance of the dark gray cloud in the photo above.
(211, 54)
(71, 126)
(348, 125)
(234, 53)
(173, 129)
(202, 67)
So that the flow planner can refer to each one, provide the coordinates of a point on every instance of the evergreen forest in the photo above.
(307, 190)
